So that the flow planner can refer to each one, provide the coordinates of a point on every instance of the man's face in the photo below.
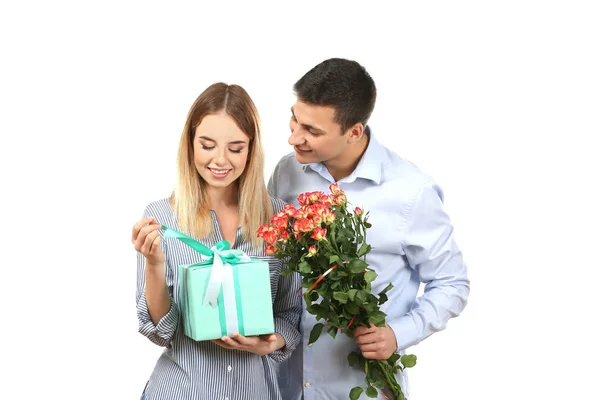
(316, 137)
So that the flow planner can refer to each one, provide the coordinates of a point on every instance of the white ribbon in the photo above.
(217, 276)
(229, 301)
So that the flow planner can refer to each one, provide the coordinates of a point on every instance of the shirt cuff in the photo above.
(406, 332)
(165, 329)
(291, 337)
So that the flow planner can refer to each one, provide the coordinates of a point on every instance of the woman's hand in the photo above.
(146, 240)
(261, 345)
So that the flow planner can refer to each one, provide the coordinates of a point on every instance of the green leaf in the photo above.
(315, 333)
(357, 266)
(333, 259)
(353, 359)
(377, 318)
(333, 331)
(393, 359)
(370, 307)
(408, 360)
(352, 308)
(370, 276)
(382, 299)
(308, 301)
(379, 384)
(341, 297)
(286, 272)
(367, 224)
(314, 296)
(321, 311)
(372, 392)
(352, 294)
(364, 249)
(305, 267)
(356, 392)
(361, 297)
(387, 289)
(333, 319)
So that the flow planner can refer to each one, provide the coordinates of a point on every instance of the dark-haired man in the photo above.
(411, 237)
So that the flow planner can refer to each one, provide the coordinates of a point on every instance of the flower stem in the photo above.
(392, 383)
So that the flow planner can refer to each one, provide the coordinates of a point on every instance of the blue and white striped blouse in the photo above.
(191, 370)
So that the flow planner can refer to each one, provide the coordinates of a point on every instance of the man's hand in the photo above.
(376, 343)
(261, 345)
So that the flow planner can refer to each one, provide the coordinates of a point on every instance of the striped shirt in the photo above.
(191, 370)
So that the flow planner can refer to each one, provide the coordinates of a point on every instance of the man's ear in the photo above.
(355, 132)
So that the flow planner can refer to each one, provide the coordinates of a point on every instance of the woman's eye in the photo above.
(207, 147)
(235, 151)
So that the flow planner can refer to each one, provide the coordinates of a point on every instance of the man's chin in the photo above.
(306, 157)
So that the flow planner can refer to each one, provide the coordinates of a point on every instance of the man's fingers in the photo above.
(362, 330)
(370, 337)
(372, 355)
(371, 347)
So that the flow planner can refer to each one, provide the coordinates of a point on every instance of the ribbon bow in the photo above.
(220, 254)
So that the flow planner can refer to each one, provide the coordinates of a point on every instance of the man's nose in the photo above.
(296, 138)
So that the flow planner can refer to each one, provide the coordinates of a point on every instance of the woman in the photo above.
(220, 195)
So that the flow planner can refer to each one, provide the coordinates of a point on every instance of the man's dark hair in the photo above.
(342, 84)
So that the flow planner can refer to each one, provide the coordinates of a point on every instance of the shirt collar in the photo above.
(369, 167)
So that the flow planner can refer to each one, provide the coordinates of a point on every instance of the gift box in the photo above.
(228, 292)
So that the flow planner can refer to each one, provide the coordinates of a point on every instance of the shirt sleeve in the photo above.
(430, 249)
(162, 333)
(287, 310)
(272, 185)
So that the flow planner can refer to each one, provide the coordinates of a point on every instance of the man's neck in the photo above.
(346, 163)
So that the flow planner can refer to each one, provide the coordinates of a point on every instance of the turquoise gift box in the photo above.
(228, 292)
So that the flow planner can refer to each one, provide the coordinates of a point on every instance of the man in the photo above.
(411, 237)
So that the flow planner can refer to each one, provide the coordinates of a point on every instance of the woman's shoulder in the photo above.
(161, 210)
(276, 204)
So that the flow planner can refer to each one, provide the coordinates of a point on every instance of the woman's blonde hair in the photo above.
(189, 199)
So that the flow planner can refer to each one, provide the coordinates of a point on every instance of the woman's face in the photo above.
(220, 150)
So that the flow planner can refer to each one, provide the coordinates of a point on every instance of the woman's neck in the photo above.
(226, 197)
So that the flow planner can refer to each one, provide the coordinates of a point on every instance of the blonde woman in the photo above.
(220, 195)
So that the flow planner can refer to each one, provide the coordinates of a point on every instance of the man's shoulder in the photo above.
(288, 163)
(400, 171)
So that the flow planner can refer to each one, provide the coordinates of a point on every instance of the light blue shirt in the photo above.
(411, 241)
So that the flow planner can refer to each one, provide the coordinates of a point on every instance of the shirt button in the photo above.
(229, 370)
(307, 384)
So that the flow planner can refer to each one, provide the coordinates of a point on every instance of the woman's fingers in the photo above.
(139, 225)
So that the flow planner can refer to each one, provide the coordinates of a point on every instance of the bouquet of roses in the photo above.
(326, 244)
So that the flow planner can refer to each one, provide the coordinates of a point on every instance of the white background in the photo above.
(499, 101)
